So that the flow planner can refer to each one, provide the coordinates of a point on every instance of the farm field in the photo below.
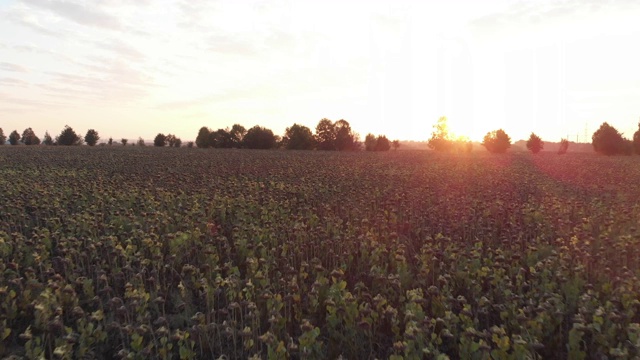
(138, 253)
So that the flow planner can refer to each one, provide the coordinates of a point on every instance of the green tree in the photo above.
(382, 143)
(497, 141)
(395, 144)
(325, 135)
(259, 138)
(3, 138)
(440, 139)
(607, 140)
(636, 140)
(68, 137)
(92, 137)
(202, 140)
(160, 140)
(237, 134)
(14, 138)
(535, 143)
(29, 137)
(47, 139)
(298, 137)
(123, 141)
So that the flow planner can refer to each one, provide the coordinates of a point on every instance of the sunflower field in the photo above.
(176, 253)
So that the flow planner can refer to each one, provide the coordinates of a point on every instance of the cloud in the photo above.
(80, 14)
(233, 45)
(122, 49)
(13, 67)
(24, 17)
(13, 82)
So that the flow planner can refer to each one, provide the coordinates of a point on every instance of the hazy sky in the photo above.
(132, 68)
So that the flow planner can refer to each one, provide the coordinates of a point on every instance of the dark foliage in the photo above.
(68, 137)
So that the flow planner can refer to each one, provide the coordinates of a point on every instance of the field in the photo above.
(139, 253)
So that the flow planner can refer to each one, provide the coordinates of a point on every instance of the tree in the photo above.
(370, 142)
(141, 141)
(110, 142)
(636, 140)
(177, 142)
(564, 145)
(345, 138)
(325, 135)
(29, 137)
(382, 143)
(221, 139)
(298, 137)
(3, 138)
(172, 140)
(440, 139)
(202, 140)
(160, 140)
(535, 144)
(190, 144)
(92, 137)
(259, 138)
(68, 137)
(607, 140)
(395, 144)
(496, 141)
(123, 141)
(237, 134)
(14, 138)
(47, 140)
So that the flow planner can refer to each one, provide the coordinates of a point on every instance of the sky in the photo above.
(135, 68)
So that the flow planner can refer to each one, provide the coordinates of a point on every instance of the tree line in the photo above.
(333, 136)
(606, 140)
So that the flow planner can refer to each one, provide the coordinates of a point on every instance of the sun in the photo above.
(459, 129)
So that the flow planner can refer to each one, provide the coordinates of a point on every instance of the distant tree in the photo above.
(345, 138)
(636, 140)
(123, 141)
(237, 134)
(325, 135)
(382, 143)
(259, 138)
(141, 141)
(14, 138)
(160, 140)
(497, 141)
(3, 138)
(564, 146)
(68, 137)
(535, 144)
(47, 140)
(92, 137)
(298, 137)
(177, 142)
(110, 142)
(607, 140)
(190, 144)
(440, 139)
(171, 140)
(370, 142)
(202, 140)
(29, 137)
(221, 139)
(395, 144)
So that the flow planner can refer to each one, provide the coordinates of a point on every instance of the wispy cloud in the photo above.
(13, 67)
(87, 15)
